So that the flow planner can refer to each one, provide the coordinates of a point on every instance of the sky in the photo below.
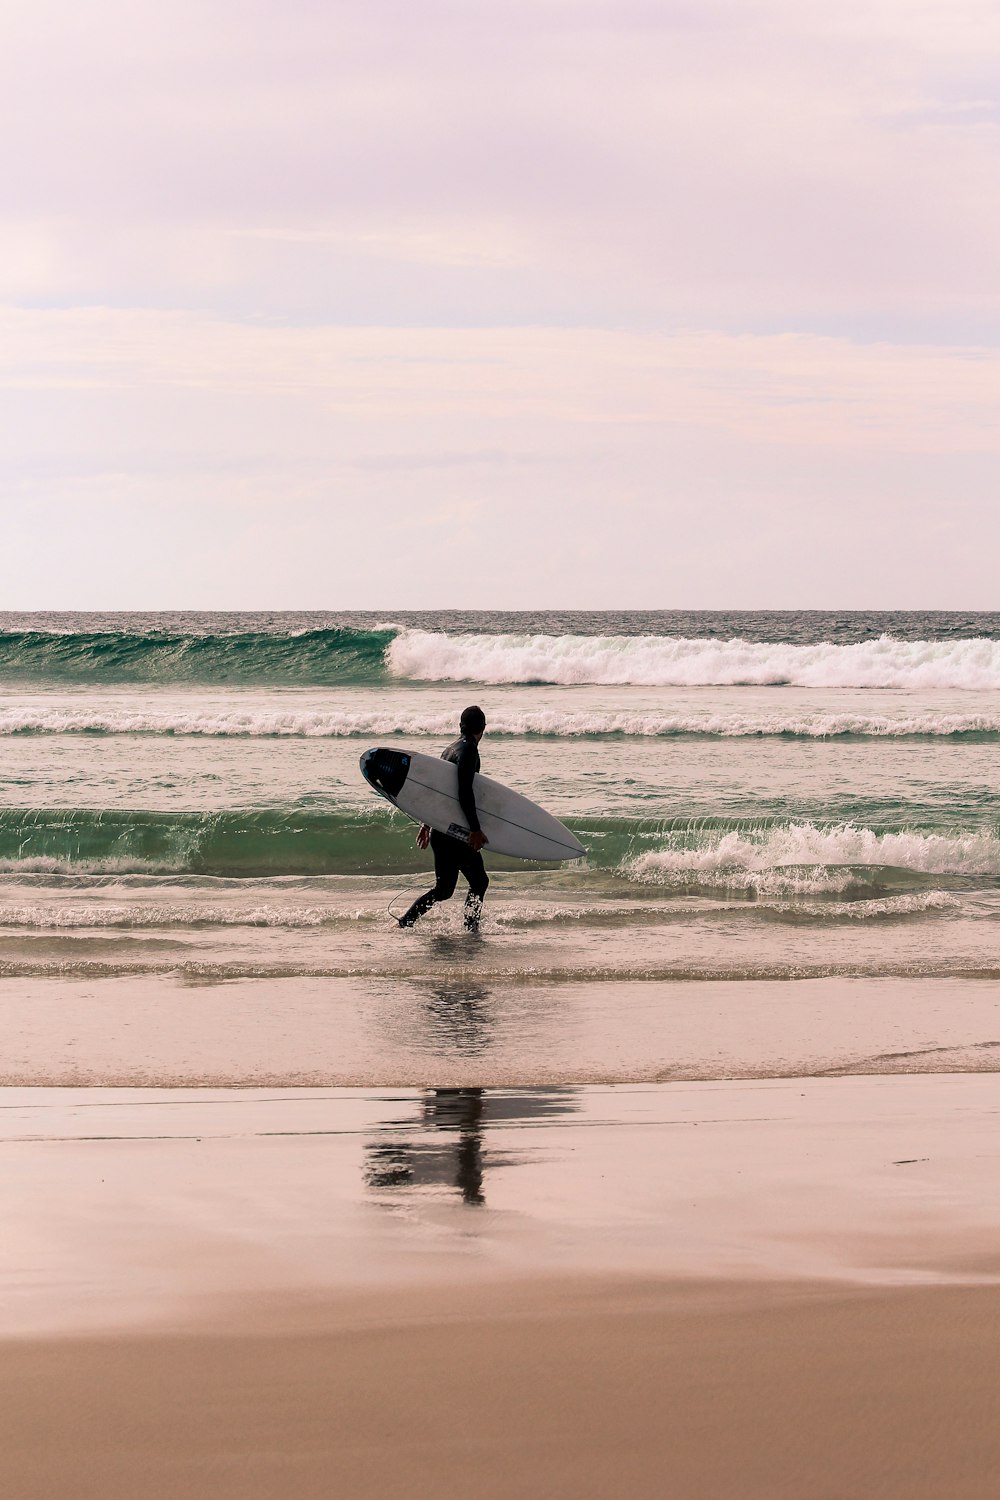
(342, 304)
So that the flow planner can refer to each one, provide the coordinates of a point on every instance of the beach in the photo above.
(750, 1288)
(758, 1392)
(678, 1177)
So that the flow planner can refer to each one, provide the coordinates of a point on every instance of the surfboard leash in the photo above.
(398, 897)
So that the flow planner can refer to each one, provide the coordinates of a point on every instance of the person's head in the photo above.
(473, 722)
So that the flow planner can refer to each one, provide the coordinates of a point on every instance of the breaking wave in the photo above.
(660, 661)
(343, 654)
(805, 858)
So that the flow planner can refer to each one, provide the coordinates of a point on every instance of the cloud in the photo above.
(781, 389)
(727, 164)
(641, 299)
(163, 459)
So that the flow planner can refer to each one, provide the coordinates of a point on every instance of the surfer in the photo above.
(454, 857)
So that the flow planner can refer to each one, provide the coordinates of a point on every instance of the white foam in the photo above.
(500, 915)
(658, 661)
(377, 723)
(801, 857)
(45, 864)
(513, 914)
(180, 915)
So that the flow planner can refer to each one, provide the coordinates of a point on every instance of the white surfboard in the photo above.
(426, 789)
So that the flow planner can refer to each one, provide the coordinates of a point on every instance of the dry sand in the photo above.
(693, 1391)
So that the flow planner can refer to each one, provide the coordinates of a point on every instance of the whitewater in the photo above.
(549, 723)
(655, 661)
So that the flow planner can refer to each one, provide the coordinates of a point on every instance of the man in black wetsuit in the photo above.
(453, 857)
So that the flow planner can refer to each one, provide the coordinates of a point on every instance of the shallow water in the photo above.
(181, 796)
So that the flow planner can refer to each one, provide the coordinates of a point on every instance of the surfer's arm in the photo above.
(423, 835)
(466, 796)
(467, 768)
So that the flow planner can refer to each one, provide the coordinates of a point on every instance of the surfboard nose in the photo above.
(385, 770)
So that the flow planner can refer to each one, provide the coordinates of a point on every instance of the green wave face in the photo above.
(314, 657)
(265, 842)
(736, 856)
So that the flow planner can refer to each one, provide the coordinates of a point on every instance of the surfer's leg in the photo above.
(446, 868)
(422, 904)
(475, 873)
(473, 912)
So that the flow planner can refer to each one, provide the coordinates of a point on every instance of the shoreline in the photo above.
(487, 1030)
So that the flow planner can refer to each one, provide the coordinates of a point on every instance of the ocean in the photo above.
(763, 797)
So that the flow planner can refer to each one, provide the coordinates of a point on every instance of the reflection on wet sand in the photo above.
(457, 1163)
(416, 1157)
(442, 1146)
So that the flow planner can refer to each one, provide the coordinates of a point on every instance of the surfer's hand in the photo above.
(477, 840)
(423, 836)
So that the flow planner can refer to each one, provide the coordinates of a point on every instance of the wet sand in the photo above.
(128, 1206)
(784, 1289)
